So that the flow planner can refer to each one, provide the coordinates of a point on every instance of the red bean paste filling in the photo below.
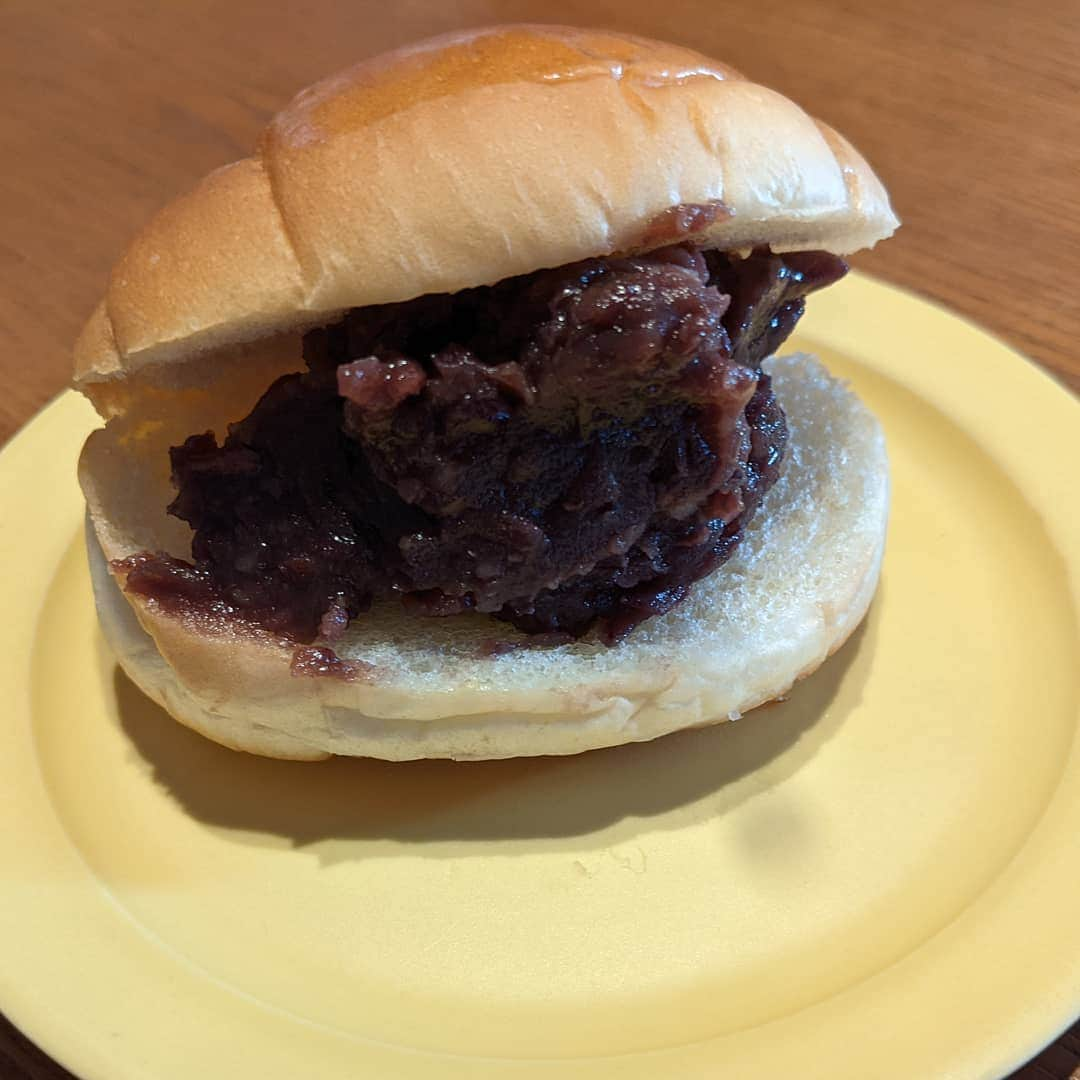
(567, 451)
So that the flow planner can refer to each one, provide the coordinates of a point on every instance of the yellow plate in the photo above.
(879, 878)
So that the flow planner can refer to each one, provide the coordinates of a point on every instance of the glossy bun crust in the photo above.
(461, 161)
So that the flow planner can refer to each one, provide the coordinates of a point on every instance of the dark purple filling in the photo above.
(567, 451)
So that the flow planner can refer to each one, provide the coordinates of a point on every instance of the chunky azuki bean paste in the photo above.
(567, 451)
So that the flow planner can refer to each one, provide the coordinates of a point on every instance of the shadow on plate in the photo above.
(669, 782)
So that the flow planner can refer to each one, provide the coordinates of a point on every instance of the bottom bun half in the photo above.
(798, 585)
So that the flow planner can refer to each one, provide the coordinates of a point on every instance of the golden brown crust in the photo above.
(95, 349)
(212, 267)
(461, 161)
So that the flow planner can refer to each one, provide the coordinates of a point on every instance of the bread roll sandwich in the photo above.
(448, 424)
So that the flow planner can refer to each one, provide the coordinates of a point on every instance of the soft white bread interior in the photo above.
(797, 586)
(458, 162)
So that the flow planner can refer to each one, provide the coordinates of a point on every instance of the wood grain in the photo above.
(968, 110)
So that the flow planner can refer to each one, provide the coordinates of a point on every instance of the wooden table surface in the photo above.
(969, 110)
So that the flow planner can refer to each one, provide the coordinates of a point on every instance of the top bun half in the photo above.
(461, 161)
